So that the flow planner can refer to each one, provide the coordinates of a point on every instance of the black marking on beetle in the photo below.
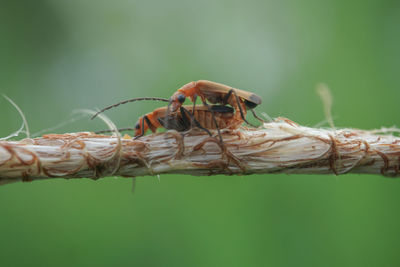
(255, 99)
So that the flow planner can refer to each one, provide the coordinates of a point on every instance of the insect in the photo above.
(216, 93)
(185, 119)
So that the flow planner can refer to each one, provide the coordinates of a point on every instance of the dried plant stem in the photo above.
(278, 147)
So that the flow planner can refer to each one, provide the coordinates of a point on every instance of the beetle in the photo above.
(216, 93)
(185, 119)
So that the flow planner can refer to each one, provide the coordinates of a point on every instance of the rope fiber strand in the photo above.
(281, 146)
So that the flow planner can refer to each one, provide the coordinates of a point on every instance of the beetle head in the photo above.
(176, 100)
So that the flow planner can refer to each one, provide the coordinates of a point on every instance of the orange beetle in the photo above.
(184, 119)
(216, 93)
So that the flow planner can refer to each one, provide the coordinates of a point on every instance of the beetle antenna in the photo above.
(127, 101)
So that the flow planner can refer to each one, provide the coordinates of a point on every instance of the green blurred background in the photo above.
(57, 56)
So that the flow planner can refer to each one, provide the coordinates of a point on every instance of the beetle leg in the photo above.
(185, 118)
(145, 118)
(142, 133)
(226, 97)
(215, 121)
(151, 126)
(232, 91)
(257, 117)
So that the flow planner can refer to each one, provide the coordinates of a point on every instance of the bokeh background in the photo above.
(58, 56)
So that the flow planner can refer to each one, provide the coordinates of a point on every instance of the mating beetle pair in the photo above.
(182, 118)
